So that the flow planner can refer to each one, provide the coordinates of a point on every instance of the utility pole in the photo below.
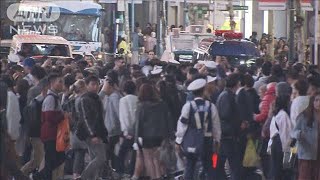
(214, 15)
(126, 16)
(316, 30)
(271, 32)
(159, 26)
(132, 17)
(291, 32)
(185, 13)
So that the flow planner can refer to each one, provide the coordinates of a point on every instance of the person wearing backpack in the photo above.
(198, 131)
(33, 120)
(51, 116)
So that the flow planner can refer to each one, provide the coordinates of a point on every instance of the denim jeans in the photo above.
(125, 147)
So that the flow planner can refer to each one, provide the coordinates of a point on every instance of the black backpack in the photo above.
(32, 114)
(33, 117)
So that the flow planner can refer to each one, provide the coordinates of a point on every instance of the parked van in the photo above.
(39, 46)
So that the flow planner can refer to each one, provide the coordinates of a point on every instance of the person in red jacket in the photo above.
(52, 115)
(269, 97)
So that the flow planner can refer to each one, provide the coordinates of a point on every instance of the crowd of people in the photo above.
(280, 48)
(153, 120)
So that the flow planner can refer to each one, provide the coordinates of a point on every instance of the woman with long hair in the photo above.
(307, 134)
(280, 140)
(152, 127)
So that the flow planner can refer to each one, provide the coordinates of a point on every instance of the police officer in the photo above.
(198, 131)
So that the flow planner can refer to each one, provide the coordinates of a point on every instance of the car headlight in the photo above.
(242, 62)
(99, 56)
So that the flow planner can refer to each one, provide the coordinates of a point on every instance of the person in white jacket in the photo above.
(127, 109)
(13, 114)
(280, 129)
(300, 101)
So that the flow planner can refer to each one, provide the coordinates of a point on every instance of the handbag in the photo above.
(289, 159)
(251, 157)
(63, 135)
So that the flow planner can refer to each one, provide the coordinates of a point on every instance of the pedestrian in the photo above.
(28, 64)
(52, 115)
(152, 127)
(136, 43)
(307, 135)
(33, 121)
(280, 140)
(127, 109)
(37, 73)
(145, 61)
(314, 85)
(13, 115)
(230, 127)
(267, 100)
(150, 42)
(110, 97)
(211, 89)
(265, 73)
(119, 64)
(9, 166)
(78, 147)
(91, 129)
(198, 131)
(301, 101)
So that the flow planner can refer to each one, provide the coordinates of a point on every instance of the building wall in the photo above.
(257, 18)
(280, 23)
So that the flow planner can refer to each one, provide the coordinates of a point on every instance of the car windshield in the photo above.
(77, 27)
(45, 50)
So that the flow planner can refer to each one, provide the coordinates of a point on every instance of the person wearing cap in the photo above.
(210, 88)
(230, 126)
(28, 64)
(155, 74)
(199, 115)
